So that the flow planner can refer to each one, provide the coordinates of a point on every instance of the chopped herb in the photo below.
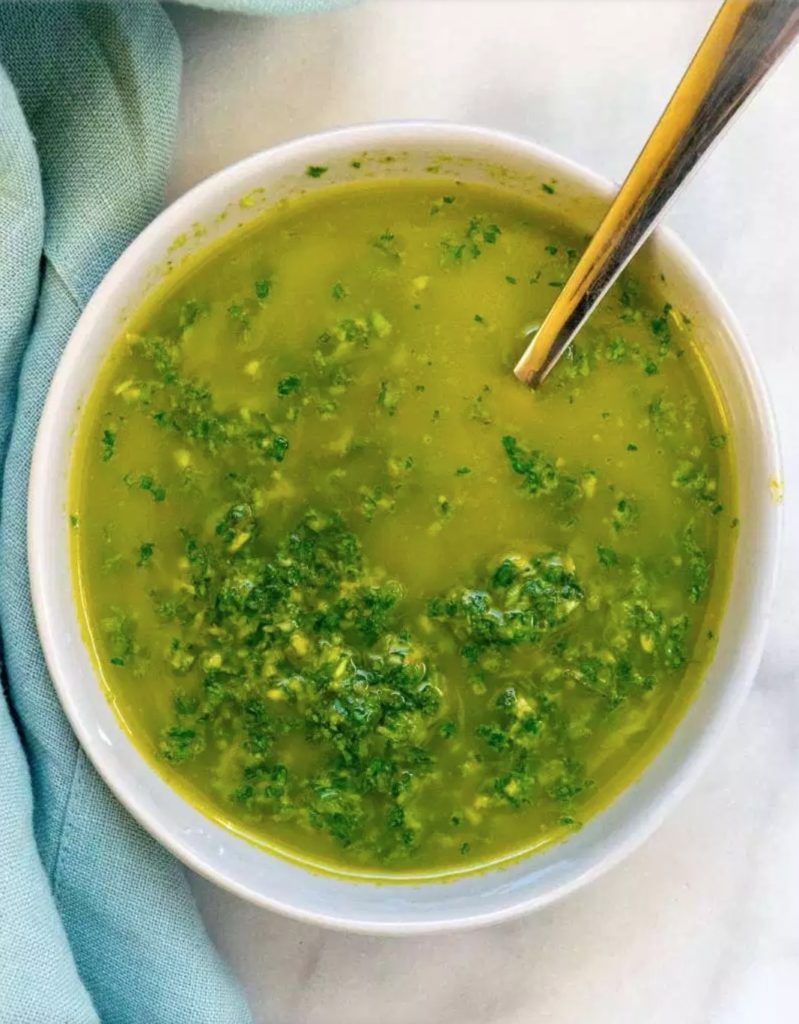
(695, 477)
(478, 410)
(145, 553)
(288, 385)
(506, 615)
(476, 235)
(698, 567)
(443, 506)
(616, 350)
(157, 492)
(661, 330)
(388, 397)
(625, 514)
(539, 474)
(315, 171)
(606, 556)
(387, 244)
(109, 444)
(119, 631)
(190, 311)
(662, 415)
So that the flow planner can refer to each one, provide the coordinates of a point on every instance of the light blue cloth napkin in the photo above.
(96, 920)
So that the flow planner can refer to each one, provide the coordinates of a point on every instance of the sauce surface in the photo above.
(356, 592)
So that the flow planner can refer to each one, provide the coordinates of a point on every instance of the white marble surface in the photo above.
(702, 924)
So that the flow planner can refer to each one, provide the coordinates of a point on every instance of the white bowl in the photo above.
(414, 149)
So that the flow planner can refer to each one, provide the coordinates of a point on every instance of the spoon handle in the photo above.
(747, 39)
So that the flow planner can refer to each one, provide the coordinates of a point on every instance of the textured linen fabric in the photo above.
(97, 922)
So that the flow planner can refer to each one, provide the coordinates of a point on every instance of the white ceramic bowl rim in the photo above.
(287, 888)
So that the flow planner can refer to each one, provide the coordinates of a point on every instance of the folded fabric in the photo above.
(97, 921)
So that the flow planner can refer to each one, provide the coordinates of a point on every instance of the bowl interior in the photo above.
(221, 205)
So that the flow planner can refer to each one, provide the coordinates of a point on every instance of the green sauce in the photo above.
(353, 590)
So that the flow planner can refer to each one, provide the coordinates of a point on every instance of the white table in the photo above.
(702, 924)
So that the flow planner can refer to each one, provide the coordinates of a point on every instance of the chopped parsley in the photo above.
(607, 556)
(109, 444)
(288, 385)
(145, 553)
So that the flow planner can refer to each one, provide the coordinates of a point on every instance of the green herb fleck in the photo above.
(692, 476)
(145, 553)
(387, 244)
(109, 444)
(388, 397)
(288, 385)
(156, 491)
(625, 514)
(539, 474)
(607, 556)
(698, 567)
(616, 349)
